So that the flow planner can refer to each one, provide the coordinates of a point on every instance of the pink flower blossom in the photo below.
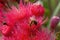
(25, 23)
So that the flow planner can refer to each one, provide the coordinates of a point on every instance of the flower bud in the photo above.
(37, 10)
(54, 22)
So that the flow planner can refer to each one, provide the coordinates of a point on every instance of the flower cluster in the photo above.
(24, 23)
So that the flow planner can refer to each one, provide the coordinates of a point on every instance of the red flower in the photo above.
(21, 26)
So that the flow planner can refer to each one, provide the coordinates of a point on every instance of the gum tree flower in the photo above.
(25, 23)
